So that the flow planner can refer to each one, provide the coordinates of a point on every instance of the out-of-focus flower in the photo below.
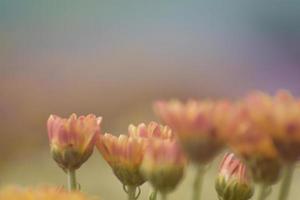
(198, 125)
(40, 193)
(124, 154)
(152, 130)
(163, 164)
(248, 136)
(72, 140)
(286, 127)
(233, 181)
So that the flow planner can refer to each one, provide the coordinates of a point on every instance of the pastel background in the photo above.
(114, 58)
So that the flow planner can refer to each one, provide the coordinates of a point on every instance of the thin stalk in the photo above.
(72, 184)
(262, 192)
(197, 186)
(131, 192)
(286, 182)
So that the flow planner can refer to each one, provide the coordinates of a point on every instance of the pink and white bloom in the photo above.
(72, 139)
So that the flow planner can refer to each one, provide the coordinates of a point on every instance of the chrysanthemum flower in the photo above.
(233, 181)
(163, 164)
(197, 124)
(248, 137)
(152, 130)
(279, 117)
(72, 140)
(40, 193)
(124, 154)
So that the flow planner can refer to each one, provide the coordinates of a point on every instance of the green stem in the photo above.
(197, 186)
(72, 184)
(286, 182)
(131, 192)
(262, 192)
(153, 195)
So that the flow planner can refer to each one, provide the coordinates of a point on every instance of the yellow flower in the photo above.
(72, 140)
(163, 164)
(198, 125)
(124, 154)
(40, 193)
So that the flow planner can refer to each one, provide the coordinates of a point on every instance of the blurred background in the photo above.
(114, 58)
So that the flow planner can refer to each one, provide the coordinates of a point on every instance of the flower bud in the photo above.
(233, 181)
(72, 140)
(163, 164)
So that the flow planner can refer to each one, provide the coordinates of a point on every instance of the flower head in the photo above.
(124, 154)
(198, 125)
(72, 140)
(40, 193)
(248, 136)
(152, 130)
(233, 181)
(163, 164)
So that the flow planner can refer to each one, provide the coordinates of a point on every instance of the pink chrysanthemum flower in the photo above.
(163, 164)
(233, 181)
(124, 154)
(198, 125)
(72, 140)
(248, 135)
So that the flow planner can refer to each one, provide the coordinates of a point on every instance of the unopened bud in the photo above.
(233, 181)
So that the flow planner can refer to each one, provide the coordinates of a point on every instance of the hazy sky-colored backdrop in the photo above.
(114, 58)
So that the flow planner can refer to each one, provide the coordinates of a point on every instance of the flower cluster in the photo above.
(262, 130)
(144, 154)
